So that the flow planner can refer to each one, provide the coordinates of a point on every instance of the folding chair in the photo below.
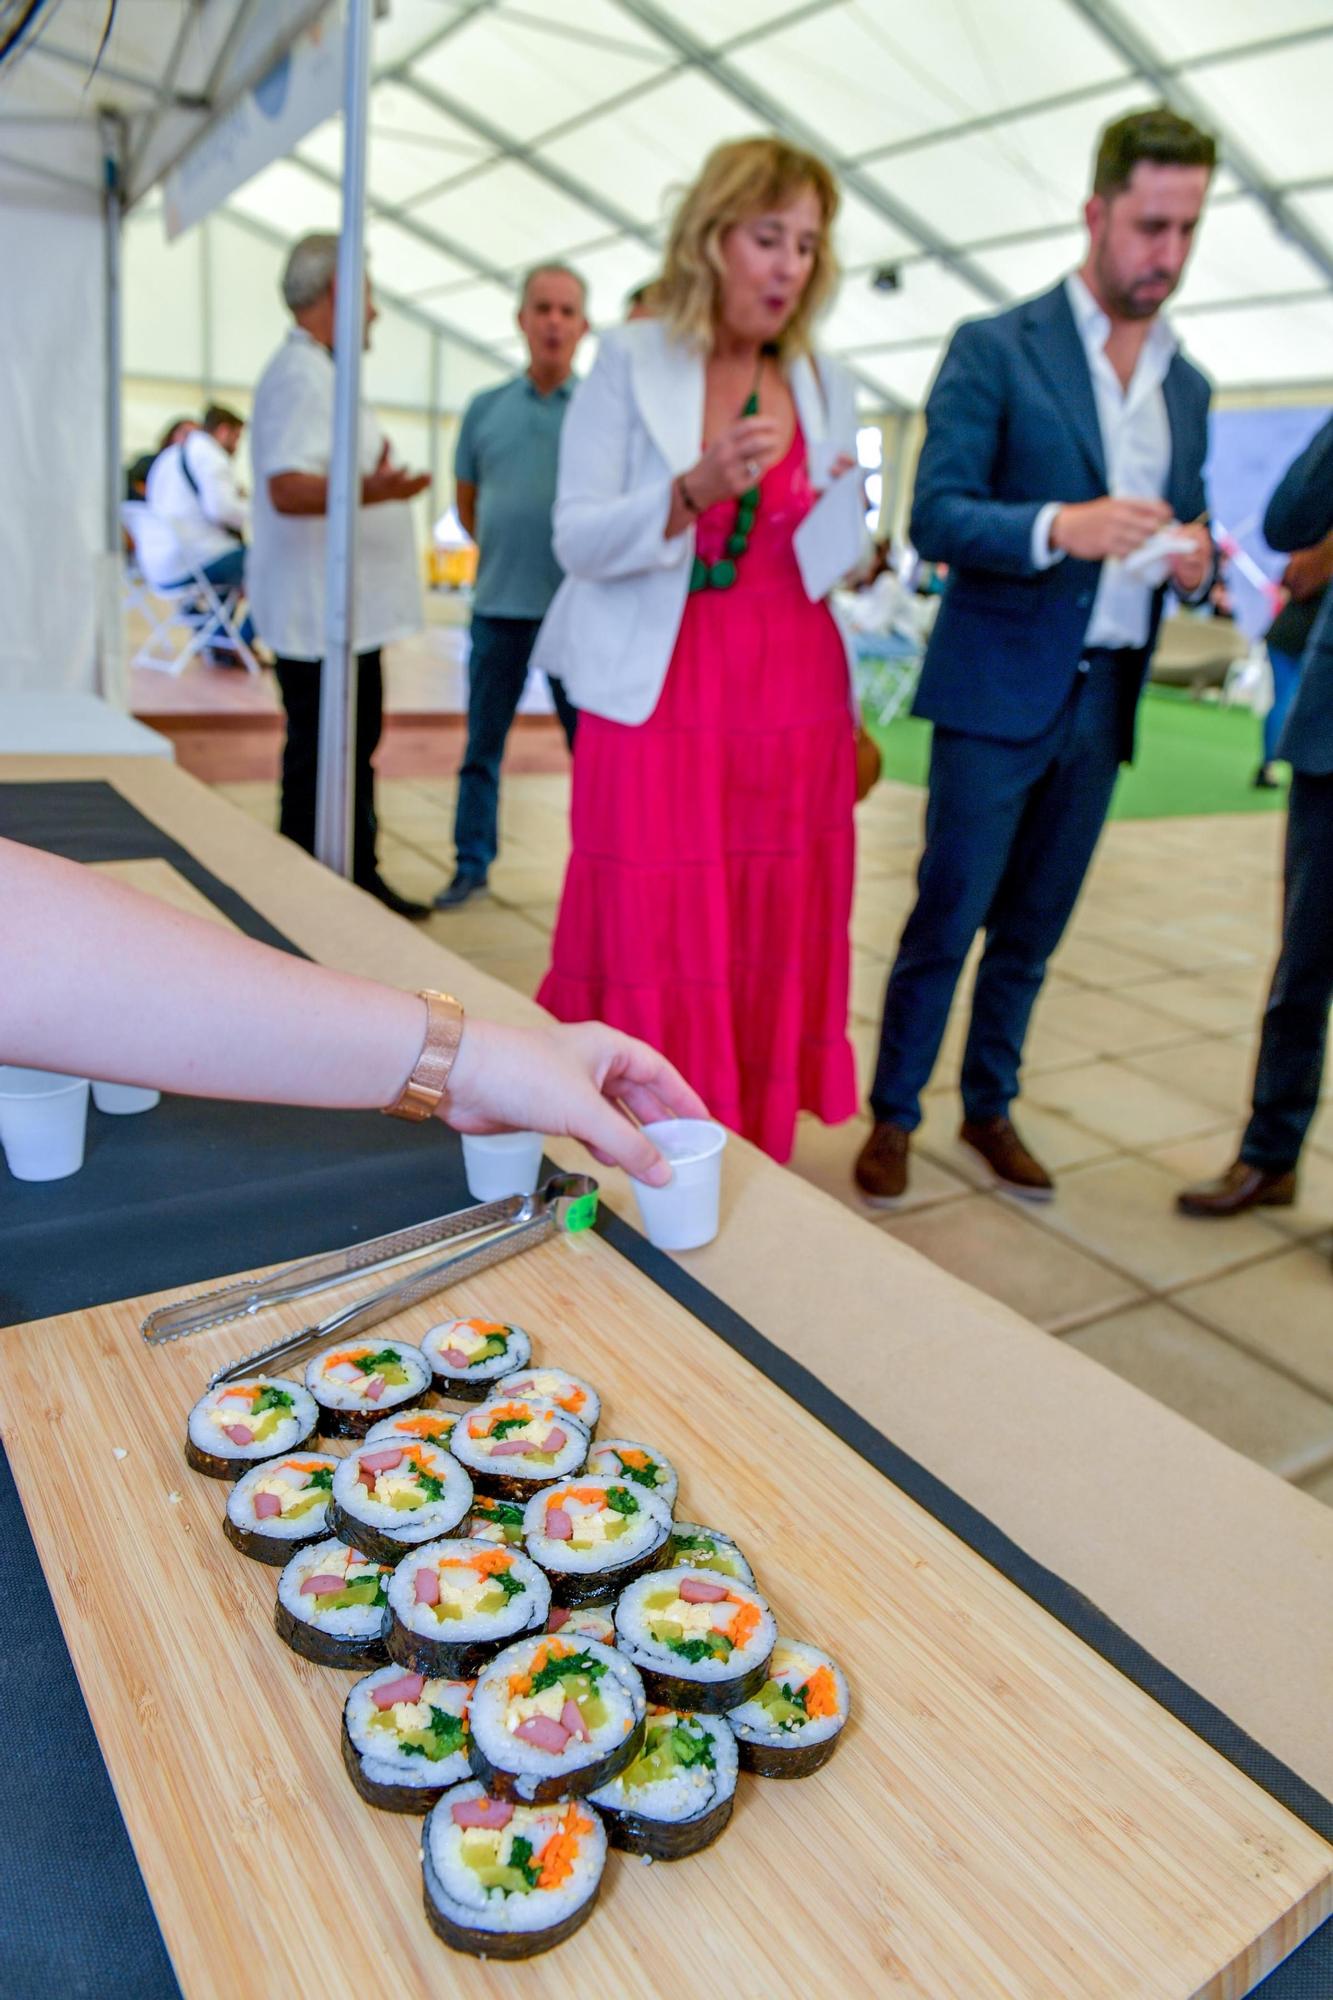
(186, 618)
(888, 666)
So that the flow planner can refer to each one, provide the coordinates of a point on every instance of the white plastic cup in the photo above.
(501, 1163)
(683, 1214)
(42, 1121)
(122, 1099)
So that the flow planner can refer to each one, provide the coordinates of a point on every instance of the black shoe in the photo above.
(464, 886)
(402, 906)
(1266, 779)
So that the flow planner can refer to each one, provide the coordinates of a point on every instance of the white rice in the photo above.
(590, 1621)
(725, 1559)
(459, 1891)
(355, 1621)
(396, 1429)
(688, 1792)
(224, 1405)
(470, 1447)
(517, 1351)
(571, 1393)
(645, 1530)
(525, 1611)
(495, 1718)
(424, 1523)
(383, 1758)
(293, 1484)
(792, 1664)
(640, 1646)
(604, 1460)
(346, 1389)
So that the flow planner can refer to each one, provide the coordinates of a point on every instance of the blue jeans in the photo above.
(225, 572)
(501, 649)
(1291, 1049)
(1010, 831)
(1286, 679)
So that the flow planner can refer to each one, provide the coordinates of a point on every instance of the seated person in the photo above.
(197, 515)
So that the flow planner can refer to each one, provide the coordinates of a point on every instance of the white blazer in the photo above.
(634, 424)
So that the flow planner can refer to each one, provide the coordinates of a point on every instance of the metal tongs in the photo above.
(567, 1202)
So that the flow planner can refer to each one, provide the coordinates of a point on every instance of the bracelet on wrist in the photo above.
(430, 1073)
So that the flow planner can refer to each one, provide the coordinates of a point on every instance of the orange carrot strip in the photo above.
(744, 1624)
(821, 1693)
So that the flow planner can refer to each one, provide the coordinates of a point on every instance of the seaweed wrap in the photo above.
(453, 1604)
(390, 1498)
(700, 1644)
(677, 1795)
(593, 1536)
(240, 1424)
(506, 1880)
(274, 1508)
(357, 1385)
(637, 1465)
(794, 1722)
(694, 1547)
(516, 1444)
(569, 1393)
(553, 1717)
(468, 1356)
(330, 1606)
(404, 1738)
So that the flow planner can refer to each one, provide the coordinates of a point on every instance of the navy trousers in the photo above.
(1010, 831)
(501, 649)
(1291, 1049)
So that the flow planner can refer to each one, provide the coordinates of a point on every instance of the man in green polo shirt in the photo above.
(504, 478)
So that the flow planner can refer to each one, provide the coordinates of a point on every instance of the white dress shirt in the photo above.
(1136, 443)
(187, 526)
(291, 430)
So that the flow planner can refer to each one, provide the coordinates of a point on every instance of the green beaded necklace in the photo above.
(721, 575)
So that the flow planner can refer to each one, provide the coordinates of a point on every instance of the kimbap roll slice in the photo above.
(404, 1738)
(552, 1717)
(504, 1880)
(517, 1444)
(793, 1723)
(330, 1606)
(355, 1386)
(240, 1424)
(390, 1498)
(677, 1795)
(593, 1536)
(453, 1604)
(590, 1621)
(693, 1547)
(414, 1426)
(468, 1356)
(569, 1393)
(699, 1644)
(621, 1458)
(276, 1507)
(495, 1521)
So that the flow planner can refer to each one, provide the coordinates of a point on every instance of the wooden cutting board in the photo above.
(1007, 1816)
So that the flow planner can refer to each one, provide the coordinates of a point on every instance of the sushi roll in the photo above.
(507, 1881)
(593, 1536)
(390, 1498)
(569, 1393)
(793, 1723)
(453, 1604)
(330, 1606)
(419, 1426)
(553, 1717)
(516, 1444)
(468, 1356)
(590, 1621)
(677, 1795)
(620, 1458)
(240, 1424)
(404, 1738)
(693, 1547)
(495, 1521)
(699, 1644)
(355, 1386)
(274, 1508)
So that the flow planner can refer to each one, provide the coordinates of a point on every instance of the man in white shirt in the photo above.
(1062, 438)
(197, 518)
(291, 438)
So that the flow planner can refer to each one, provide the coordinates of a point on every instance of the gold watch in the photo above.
(430, 1076)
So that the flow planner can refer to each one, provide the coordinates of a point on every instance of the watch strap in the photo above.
(430, 1075)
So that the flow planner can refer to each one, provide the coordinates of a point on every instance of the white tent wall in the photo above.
(52, 403)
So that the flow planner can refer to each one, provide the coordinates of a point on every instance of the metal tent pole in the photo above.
(113, 210)
(337, 699)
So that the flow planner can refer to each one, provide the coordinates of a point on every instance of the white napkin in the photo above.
(1150, 563)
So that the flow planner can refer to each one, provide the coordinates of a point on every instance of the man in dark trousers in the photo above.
(1062, 481)
(1291, 1048)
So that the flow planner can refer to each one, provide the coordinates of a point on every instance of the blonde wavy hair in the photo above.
(742, 179)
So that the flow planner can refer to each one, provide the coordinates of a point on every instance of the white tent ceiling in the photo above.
(503, 131)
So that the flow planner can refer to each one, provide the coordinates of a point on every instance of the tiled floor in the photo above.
(1138, 1069)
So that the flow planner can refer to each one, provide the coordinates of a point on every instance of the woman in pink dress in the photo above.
(708, 895)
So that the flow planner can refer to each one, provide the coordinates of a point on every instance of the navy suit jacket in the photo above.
(1011, 423)
(1300, 514)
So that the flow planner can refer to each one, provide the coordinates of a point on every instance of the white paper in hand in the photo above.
(1150, 563)
(832, 538)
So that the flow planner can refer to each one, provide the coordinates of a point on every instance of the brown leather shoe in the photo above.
(881, 1165)
(1242, 1186)
(1014, 1168)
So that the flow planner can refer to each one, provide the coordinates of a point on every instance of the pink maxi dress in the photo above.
(708, 896)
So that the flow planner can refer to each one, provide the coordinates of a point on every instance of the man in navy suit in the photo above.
(1063, 437)
(1291, 1049)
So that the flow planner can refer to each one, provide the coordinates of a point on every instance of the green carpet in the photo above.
(1193, 757)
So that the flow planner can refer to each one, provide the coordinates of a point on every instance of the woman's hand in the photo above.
(736, 460)
(569, 1080)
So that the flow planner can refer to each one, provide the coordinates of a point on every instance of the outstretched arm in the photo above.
(1300, 513)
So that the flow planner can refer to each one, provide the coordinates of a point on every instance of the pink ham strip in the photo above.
(455, 1357)
(559, 1526)
(366, 1478)
(555, 1440)
(239, 1434)
(382, 1461)
(427, 1586)
(374, 1388)
(267, 1505)
(544, 1733)
(406, 1688)
(559, 1616)
(492, 1813)
(513, 1448)
(321, 1586)
(571, 1719)
(695, 1591)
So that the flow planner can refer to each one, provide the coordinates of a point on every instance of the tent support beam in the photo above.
(113, 151)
